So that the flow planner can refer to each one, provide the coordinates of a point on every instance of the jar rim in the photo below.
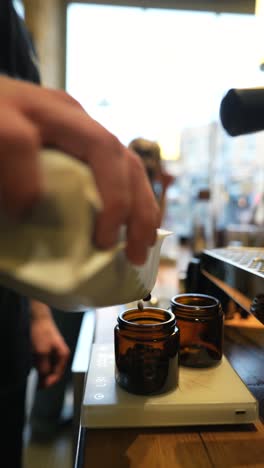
(148, 326)
(176, 302)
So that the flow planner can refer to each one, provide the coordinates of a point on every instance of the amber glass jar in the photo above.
(146, 351)
(200, 321)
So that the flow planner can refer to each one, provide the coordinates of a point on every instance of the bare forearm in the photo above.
(39, 310)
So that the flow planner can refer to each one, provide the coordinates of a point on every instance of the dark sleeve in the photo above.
(17, 55)
(18, 60)
(15, 355)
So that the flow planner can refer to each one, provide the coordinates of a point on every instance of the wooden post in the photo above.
(46, 21)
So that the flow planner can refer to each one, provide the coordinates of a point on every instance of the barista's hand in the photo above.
(32, 117)
(50, 352)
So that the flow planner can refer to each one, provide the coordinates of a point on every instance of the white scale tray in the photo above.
(204, 396)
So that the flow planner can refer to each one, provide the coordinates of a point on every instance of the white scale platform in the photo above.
(204, 396)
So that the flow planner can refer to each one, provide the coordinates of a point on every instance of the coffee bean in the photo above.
(147, 298)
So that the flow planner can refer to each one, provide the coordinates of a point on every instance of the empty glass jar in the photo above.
(146, 351)
(200, 321)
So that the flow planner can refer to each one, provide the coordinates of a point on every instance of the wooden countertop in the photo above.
(194, 447)
(218, 447)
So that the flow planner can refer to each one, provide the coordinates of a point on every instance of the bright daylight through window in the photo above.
(161, 74)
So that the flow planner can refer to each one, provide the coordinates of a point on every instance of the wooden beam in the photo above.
(219, 6)
(46, 21)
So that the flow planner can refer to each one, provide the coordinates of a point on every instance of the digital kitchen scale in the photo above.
(204, 396)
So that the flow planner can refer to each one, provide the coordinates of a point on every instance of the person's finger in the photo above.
(20, 179)
(59, 361)
(144, 216)
(61, 95)
(43, 365)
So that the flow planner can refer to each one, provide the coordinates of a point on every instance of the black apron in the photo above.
(18, 60)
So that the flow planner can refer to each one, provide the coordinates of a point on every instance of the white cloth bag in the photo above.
(51, 256)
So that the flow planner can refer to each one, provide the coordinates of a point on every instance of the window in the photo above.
(161, 74)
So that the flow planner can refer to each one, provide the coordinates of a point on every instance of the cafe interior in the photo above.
(157, 73)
